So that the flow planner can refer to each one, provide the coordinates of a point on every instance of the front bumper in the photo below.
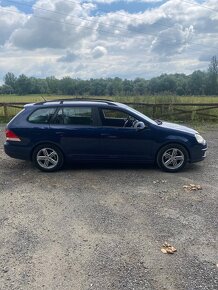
(198, 153)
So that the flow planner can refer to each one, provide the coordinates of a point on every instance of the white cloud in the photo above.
(64, 37)
(172, 40)
(69, 57)
(99, 51)
(55, 25)
(10, 19)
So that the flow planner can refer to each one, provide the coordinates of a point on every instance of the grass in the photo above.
(145, 99)
(167, 113)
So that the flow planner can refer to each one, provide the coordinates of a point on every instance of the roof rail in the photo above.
(110, 102)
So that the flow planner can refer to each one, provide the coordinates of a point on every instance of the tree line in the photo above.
(198, 83)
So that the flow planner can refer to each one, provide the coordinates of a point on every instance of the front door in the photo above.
(119, 138)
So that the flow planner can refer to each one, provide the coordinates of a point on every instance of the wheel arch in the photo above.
(46, 143)
(176, 143)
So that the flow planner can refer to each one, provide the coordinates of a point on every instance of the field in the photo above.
(166, 112)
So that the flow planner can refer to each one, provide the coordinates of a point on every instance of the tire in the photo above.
(47, 157)
(172, 158)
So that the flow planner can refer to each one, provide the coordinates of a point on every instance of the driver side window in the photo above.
(116, 118)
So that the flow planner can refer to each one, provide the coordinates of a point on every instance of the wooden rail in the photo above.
(158, 110)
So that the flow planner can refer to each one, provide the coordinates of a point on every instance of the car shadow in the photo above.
(100, 165)
(78, 165)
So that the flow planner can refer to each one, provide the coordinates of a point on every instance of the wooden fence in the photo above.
(156, 110)
(176, 109)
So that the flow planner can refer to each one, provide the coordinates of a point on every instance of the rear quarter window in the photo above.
(41, 116)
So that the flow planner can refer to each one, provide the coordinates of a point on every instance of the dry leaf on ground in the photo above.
(168, 249)
(159, 181)
(192, 187)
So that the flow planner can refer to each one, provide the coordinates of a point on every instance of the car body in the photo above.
(51, 132)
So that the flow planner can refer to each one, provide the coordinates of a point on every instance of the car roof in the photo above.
(80, 102)
(88, 102)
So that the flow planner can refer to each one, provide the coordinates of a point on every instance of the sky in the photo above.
(107, 38)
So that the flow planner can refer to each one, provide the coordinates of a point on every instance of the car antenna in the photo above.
(44, 98)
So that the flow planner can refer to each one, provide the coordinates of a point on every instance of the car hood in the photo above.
(177, 127)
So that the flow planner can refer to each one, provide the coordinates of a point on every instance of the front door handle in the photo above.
(108, 136)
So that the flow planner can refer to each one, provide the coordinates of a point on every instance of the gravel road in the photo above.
(102, 227)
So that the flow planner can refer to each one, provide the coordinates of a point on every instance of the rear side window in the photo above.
(74, 116)
(41, 116)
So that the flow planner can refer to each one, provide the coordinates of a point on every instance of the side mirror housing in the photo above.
(140, 126)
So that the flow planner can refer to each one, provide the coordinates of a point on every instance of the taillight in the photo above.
(11, 136)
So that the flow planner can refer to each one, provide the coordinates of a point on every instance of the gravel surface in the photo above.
(102, 227)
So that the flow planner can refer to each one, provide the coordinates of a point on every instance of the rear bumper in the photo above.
(198, 153)
(17, 152)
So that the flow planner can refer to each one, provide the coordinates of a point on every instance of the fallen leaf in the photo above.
(168, 249)
(159, 181)
(163, 250)
(192, 187)
(164, 181)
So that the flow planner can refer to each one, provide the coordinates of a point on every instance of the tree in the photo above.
(197, 83)
(212, 85)
(6, 90)
(23, 85)
(154, 86)
(140, 86)
(67, 86)
(128, 87)
(53, 85)
(10, 80)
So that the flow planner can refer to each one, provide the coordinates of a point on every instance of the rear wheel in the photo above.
(172, 158)
(48, 157)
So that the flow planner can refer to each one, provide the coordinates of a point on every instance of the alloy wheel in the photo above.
(173, 158)
(47, 158)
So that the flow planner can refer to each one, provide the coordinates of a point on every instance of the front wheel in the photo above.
(172, 158)
(47, 157)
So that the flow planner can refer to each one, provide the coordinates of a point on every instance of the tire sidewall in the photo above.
(167, 147)
(53, 147)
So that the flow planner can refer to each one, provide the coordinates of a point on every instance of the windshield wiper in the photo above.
(159, 122)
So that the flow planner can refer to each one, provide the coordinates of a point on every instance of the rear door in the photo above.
(75, 131)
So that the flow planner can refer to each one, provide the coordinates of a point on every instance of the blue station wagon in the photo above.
(52, 132)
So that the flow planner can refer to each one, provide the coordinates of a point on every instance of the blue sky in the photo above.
(131, 7)
(93, 38)
(21, 7)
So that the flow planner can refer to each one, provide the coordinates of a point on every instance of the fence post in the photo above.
(154, 111)
(5, 109)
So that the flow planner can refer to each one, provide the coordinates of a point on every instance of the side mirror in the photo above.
(139, 126)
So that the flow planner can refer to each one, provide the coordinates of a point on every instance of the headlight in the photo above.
(200, 139)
